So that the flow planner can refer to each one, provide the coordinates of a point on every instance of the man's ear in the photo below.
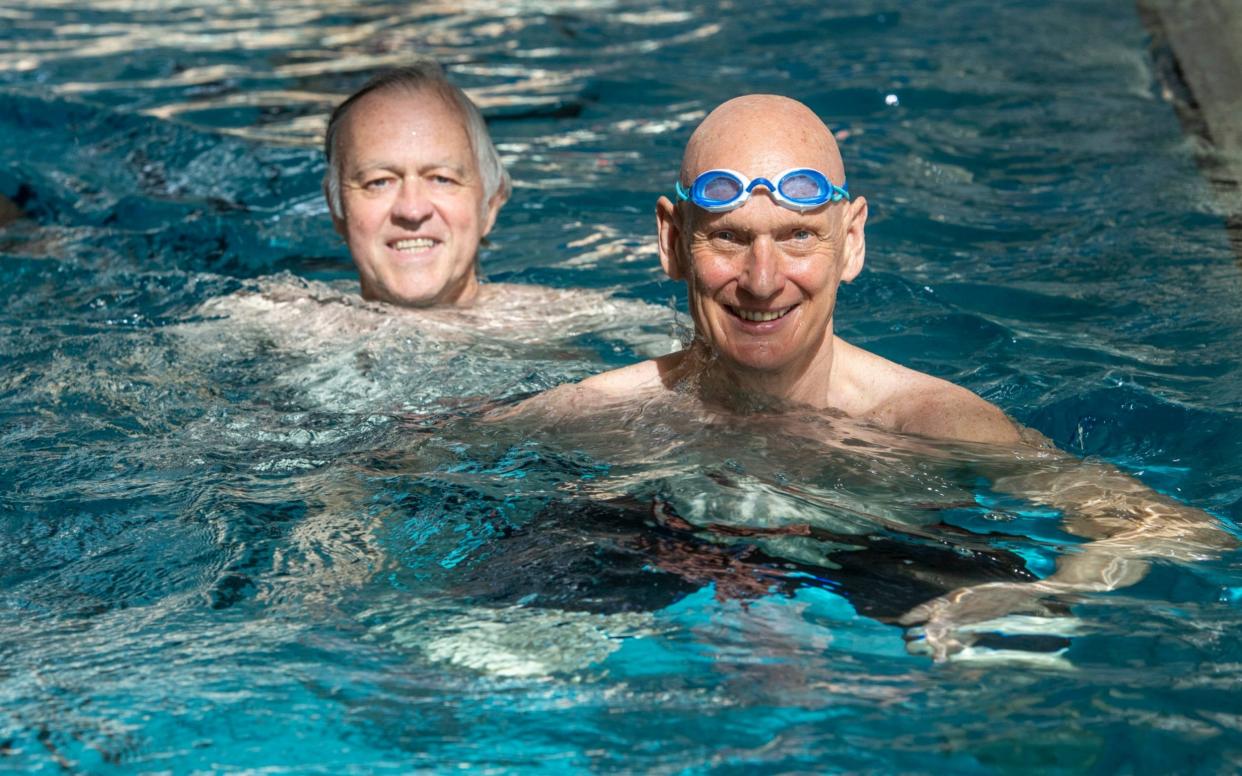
(338, 223)
(668, 230)
(494, 204)
(855, 250)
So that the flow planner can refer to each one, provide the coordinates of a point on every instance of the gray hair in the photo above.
(425, 76)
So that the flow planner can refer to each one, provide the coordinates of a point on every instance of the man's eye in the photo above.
(375, 184)
(802, 235)
(724, 235)
(444, 180)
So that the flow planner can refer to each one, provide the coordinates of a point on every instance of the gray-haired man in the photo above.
(413, 184)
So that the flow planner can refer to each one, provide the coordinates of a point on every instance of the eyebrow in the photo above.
(384, 164)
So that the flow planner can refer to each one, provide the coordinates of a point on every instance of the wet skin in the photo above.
(762, 282)
(762, 279)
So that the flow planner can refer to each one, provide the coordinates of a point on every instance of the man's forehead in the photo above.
(763, 160)
(399, 119)
(762, 135)
(764, 157)
(399, 104)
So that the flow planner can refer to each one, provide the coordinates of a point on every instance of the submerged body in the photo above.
(862, 386)
(292, 310)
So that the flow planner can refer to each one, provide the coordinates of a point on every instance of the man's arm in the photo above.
(1127, 522)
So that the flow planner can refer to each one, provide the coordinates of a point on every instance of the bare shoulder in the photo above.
(913, 402)
(552, 303)
(596, 393)
(643, 377)
(941, 409)
(503, 296)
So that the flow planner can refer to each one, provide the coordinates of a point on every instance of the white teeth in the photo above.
(760, 316)
(420, 244)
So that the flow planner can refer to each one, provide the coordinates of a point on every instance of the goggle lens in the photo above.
(803, 185)
(721, 188)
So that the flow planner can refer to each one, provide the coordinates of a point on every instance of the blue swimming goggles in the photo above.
(800, 189)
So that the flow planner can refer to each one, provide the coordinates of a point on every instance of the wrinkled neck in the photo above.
(806, 383)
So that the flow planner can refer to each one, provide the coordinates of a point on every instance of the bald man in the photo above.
(763, 232)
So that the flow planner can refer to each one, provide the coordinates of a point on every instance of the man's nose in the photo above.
(413, 202)
(761, 277)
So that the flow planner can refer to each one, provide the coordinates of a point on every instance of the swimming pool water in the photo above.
(250, 523)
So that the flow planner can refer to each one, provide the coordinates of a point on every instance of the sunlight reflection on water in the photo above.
(239, 502)
(312, 46)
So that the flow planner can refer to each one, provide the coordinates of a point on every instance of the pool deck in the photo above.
(1197, 49)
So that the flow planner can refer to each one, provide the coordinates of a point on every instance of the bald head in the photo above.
(762, 135)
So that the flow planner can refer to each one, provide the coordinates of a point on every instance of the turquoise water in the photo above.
(250, 523)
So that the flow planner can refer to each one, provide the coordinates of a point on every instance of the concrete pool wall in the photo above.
(1197, 49)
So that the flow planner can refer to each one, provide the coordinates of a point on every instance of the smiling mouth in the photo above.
(760, 316)
(414, 245)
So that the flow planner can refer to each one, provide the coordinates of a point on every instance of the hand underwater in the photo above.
(944, 630)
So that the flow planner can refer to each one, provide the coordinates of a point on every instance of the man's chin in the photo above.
(404, 297)
(431, 286)
(420, 289)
